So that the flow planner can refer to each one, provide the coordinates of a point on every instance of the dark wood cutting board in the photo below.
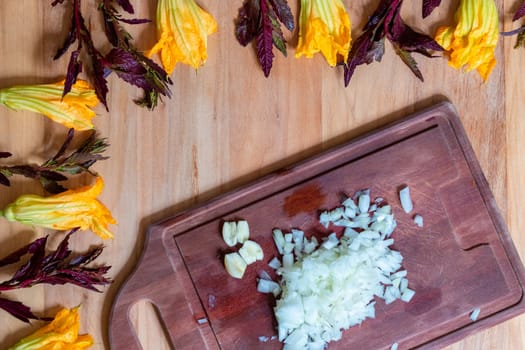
(461, 259)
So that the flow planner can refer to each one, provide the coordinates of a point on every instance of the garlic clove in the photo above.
(229, 233)
(243, 231)
(251, 251)
(235, 265)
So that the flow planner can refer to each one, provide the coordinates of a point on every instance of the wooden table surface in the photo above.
(227, 125)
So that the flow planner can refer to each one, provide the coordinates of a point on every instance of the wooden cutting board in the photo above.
(460, 260)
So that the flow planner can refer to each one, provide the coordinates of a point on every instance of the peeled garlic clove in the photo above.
(235, 265)
(251, 251)
(229, 233)
(243, 231)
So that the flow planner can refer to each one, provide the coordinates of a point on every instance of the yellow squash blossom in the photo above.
(324, 25)
(473, 40)
(59, 334)
(183, 29)
(73, 110)
(64, 211)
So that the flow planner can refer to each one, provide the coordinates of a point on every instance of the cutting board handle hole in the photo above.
(145, 312)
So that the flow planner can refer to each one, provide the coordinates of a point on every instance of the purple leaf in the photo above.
(134, 20)
(408, 39)
(87, 258)
(33, 267)
(248, 22)
(5, 154)
(127, 68)
(70, 39)
(520, 12)
(277, 34)
(260, 20)
(264, 42)
(52, 186)
(429, 6)
(65, 145)
(284, 13)
(4, 180)
(73, 69)
(136, 69)
(99, 80)
(365, 50)
(126, 5)
(387, 22)
(17, 309)
(55, 268)
(110, 28)
(61, 253)
(17, 255)
(51, 175)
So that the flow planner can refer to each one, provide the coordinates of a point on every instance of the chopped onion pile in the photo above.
(328, 287)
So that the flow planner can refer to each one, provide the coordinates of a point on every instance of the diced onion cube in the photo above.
(418, 220)
(406, 201)
(475, 314)
(275, 263)
(267, 286)
(278, 238)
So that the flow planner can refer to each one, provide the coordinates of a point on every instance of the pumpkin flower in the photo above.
(59, 334)
(64, 211)
(73, 110)
(183, 29)
(473, 40)
(324, 25)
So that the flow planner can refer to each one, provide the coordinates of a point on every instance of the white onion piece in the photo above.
(288, 247)
(394, 346)
(275, 263)
(310, 309)
(268, 286)
(349, 204)
(418, 220)
(407, 295)
(324, 219)
(336, 214)
(330, 242)
(264, 275)
(298, 239)
(364, 203)
(406, 201)
(475, 314)
(287, 260)
(278, 239)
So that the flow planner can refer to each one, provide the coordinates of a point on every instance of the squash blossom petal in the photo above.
(183, 29)
(473, 40)
(324, 26)
(64, 211)
(59, 334)
(73, 110)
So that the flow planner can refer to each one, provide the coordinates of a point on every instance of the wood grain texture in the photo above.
(227, 125)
